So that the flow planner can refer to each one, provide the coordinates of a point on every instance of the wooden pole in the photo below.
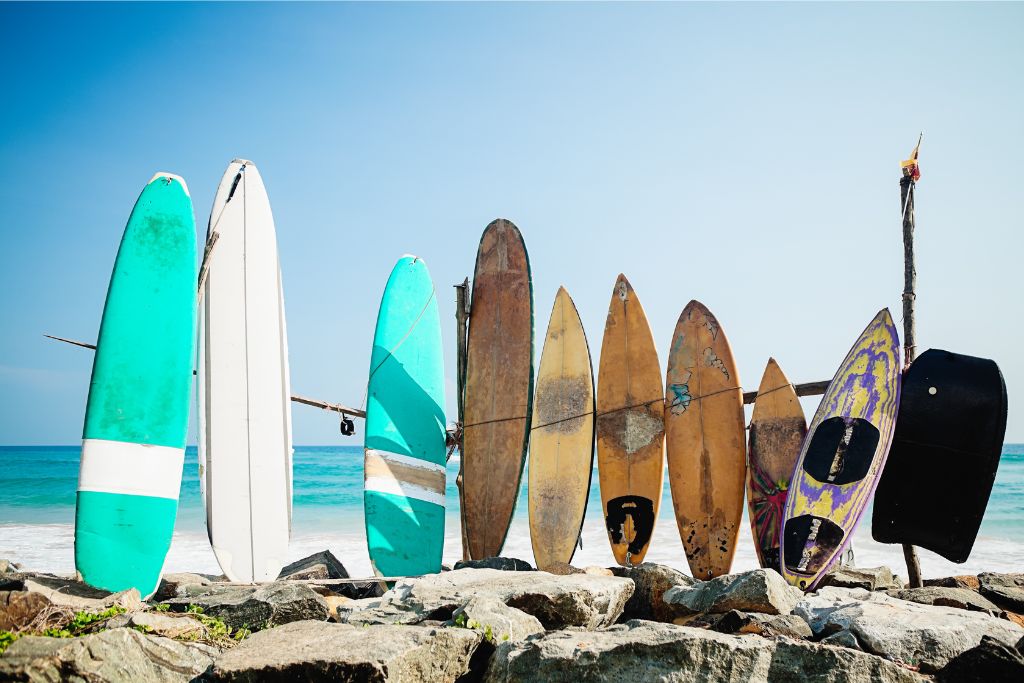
(461, 320)
(909, 327)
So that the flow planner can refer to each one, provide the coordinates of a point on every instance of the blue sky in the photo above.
(743, 155)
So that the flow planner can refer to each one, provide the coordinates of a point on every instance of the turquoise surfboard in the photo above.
(404, 480)
(137, 414)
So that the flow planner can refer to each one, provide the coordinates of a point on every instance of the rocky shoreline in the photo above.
(500, 620)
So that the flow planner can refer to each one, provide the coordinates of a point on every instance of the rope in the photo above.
(212, 236)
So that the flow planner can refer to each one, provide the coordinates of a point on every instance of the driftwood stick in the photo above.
(461, 322)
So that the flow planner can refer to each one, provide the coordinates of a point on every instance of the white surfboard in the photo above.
(245, 439)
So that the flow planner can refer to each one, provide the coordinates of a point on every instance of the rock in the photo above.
(7, 566)
(872, 579)
(504, 622)
(565, 569)
(842, 639)
(966, 581)
(987, 662)
(651, 581)
(321, 565)
(121, 654)
(80, 596)
(654, 651)
(257, 607)
(505, 564)
(175, 585)
(1006, 590)
(19, 608)
(907, 632)
(321, 651)
(759, 590)
(1015, 618)
(558, 601)
(961, 598)
(166, 625)
(334, 602)
(762, 624)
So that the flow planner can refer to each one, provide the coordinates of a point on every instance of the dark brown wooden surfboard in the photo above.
(499, 388)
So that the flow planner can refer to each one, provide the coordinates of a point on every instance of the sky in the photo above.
(743, 155)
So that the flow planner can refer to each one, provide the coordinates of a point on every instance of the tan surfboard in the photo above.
(630, 427)
(499, 388)
(705, 441)
(777, 429)
(561, 438)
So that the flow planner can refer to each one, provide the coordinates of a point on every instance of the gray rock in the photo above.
(651, 582)
(505, 564)
(762, 624)
(907, 632)
(76, 595)
(322, 651)
(490, 615)
(961, 598)
(166, 625)
(7, 566)
(19, 608)
(842, 639)
(650, 651)
(872, 579)
(175, 585)
(1006, 590)
(257, 607)
(117, 655)
(988, 662)
(557, 601)
(760, 590)
(321, 565)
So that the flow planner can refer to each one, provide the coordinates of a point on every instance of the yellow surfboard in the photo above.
(562, 437)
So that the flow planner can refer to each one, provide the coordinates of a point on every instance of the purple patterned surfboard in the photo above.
(842, 457)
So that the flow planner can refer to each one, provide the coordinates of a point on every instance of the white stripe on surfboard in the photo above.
(134, 469)
(407, 460)
(404, 489)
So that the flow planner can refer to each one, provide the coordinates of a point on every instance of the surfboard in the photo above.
(777, 429)
(630, 427)
(245, 434)
(499, 388)
(948, 441)
(561, 437)
(136, 417)
(705, 439)
(404, 465)
(842, 456)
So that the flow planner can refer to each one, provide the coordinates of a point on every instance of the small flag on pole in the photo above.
(910, 166)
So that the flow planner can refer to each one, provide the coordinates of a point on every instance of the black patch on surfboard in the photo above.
(640, 510)
(841, 450)
(808, 542)
(945, 453)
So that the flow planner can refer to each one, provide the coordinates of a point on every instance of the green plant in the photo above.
(162, 607)
(82, 622)
(6, 638)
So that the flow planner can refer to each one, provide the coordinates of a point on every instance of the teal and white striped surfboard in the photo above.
(405, 428)
(137, 415)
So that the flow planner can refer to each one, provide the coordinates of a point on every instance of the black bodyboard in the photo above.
(945, 453)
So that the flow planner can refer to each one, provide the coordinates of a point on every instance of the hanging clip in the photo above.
(348, 427)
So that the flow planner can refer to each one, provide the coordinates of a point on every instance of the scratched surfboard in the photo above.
(405, 428)
(843, 455)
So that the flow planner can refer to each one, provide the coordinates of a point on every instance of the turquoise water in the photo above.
(37, 499)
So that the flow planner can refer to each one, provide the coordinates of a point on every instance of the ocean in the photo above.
(37, 512)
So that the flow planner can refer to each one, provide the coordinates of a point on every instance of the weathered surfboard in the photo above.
(561, 438)
(136, 418)
(630, 427)
(705, 441)
(404, 477)
(245, 430)
(843, 455)
(777, 429)
(499, 388)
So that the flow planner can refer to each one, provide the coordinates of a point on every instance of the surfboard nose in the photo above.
(171, 176)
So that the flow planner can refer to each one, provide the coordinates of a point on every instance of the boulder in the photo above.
(842, 639)
(321, 565)
(872, 579)
(965, 581)
(496, 620)
(564, 569)
(759, 590)
(7, 566)
(176, 585)
(113, 656)
(557, 601)
(322, 651)
(1006, 590)
(166, 625)
(908, 632)
(651, 581)
(257, 607)
(654, 651)
(987, 662)
(762, 624)
(505, 564)
(80, 596)
(961, 598)
(19, 608)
